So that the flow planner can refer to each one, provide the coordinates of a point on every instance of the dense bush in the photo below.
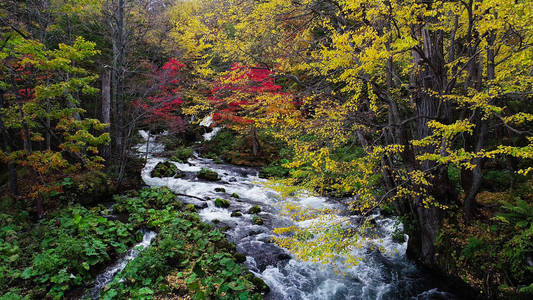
(63, 251)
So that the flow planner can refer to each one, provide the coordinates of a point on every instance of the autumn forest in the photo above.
(273, 149)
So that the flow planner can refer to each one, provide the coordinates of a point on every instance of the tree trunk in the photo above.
(106, 107)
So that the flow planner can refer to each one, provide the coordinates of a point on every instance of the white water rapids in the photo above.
(380, 275)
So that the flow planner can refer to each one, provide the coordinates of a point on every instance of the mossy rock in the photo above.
(220, 190)
(257, 220)
(182, 154)
(208, 175)
(235, 195)
(254, 210)
(166, 169)
(236, 214)
(222, 203)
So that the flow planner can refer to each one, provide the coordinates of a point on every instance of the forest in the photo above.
(272, 149)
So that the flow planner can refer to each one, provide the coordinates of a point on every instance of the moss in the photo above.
(166, 169)
(257, 220)
(182, 154)
(235, 195)
(236, 214)
(220, 190)
(254, 210)
(222, 203)
(208, 175)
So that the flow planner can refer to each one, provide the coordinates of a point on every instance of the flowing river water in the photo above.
(383, 273)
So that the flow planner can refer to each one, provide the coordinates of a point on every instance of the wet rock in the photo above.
(220, 190)
(236, 214)
(197, 203)
(254, 210)
(284, 256)
(235, 195)
(208, 175)
(166, 169)
(222, 203)
(257, 220)
(232, 179)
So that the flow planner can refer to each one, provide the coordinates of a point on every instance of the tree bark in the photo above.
(106, 106)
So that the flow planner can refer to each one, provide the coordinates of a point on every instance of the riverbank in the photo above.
(72, 245)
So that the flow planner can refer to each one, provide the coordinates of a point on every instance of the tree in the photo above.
(419, 85)
(40, 89)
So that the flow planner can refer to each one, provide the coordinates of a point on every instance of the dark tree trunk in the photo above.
(106, 106)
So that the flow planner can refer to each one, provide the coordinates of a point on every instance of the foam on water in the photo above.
(383, 274)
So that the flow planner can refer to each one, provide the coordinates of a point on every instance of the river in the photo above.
(383, 273)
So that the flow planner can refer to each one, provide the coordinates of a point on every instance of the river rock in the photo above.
(222, 203)
(254, 210)
(166, 169)
(208, 175)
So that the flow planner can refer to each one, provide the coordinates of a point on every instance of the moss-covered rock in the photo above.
(257, 220)
(208, 175)
(254, 210)
(220, 190)
(236, 214)
(182, 154)
(166, 169)
(235, 195)
(222, 203)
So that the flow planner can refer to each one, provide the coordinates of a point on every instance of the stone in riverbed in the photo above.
(166, 169)
(222, 203)
(208, 175)
(236, 214)
(235, 195)
(257, 220)
(254, 210)
(220, 190)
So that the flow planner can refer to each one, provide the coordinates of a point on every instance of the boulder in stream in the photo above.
(222, 203)
(166, 169)
(254, 210)
(208, 175)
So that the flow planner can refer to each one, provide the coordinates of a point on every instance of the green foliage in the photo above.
(474, 245)
(454, 174)
(182, 154)
(188, 257)
(497, 180)
(221, 144)
(208, 175)
(65, 250)
(274, 171)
